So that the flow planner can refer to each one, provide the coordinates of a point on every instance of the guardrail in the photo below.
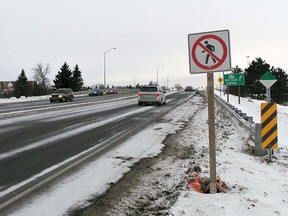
(242, 118)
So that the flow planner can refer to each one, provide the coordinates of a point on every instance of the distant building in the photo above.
(6, 86)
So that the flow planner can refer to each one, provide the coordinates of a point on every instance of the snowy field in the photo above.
(255, 186)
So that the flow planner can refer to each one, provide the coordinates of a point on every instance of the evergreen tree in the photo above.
(77, 82)
(279, 90)
(64, 77)
(21, 87)
(253, 73)
(255, 89)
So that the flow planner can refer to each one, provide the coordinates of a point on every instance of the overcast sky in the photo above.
(145, 33)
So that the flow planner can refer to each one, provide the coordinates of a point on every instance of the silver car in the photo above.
(151, 94)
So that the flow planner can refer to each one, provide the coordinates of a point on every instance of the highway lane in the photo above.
(36, 142)
(6, 108)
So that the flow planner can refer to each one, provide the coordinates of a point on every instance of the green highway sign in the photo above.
(234, 79)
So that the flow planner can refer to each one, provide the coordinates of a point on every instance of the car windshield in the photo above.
(60, 91)
(149, 89)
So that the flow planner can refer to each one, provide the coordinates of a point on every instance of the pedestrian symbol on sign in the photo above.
(212, 49)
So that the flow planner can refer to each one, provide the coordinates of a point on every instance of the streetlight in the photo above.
(247, 60)
(105, 66)
(157, 72)
(134, 80)
(168, 80)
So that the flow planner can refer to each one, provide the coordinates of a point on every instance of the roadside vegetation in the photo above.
(255, 89)
(67, 78)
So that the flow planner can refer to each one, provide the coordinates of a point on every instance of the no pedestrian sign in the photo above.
(209, 52)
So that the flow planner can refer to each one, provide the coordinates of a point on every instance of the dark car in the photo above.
(62, 95)
(189, 88)
(95, 92)
(111, 91)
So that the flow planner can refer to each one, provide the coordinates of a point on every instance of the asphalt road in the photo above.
(31, 143)
(42, 104)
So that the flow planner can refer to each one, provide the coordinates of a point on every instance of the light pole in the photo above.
(247, 60)
(157, 72)
(105, 66)
(168, 80)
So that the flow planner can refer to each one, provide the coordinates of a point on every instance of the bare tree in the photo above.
(40, 75)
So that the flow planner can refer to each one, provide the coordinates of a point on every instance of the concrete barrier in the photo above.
(258, 142)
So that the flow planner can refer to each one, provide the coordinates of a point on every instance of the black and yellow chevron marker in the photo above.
(269, 126)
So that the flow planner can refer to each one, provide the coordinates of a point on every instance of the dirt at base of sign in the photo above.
(202, 185)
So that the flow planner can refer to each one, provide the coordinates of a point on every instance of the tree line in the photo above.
(254, 89)
(66, 78)
(73, 79)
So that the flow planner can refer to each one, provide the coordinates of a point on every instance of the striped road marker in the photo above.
(269, 126)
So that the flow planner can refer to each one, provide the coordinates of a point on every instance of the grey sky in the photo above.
(146, 34)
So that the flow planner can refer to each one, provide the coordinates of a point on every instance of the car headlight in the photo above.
(60, 95)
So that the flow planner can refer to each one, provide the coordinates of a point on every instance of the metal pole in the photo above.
(105, 66)
(104, 72)
(247, 61)
(157, 73)
(168, 80)
(220, 89)
(211, 118)
(238, 94)
(157, 76)
(223, 85)
(227, 87)
(219, 84)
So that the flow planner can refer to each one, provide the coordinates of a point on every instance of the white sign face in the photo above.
(209, 52)
(267, 83)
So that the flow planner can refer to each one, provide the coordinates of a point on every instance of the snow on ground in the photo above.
(255, 186)
(79, 187)
(23, 99)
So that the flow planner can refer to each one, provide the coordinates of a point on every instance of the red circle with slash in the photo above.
(212, 54)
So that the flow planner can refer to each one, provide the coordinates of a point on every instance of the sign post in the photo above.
(212, 145)
(209, 52)
(268, 80)
(220, 80)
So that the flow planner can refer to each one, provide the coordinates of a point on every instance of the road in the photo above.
(34, 142)
(43, 105)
